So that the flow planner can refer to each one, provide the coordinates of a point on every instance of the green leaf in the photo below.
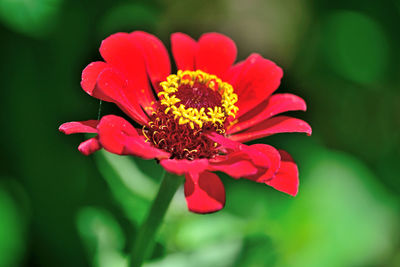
(221, 254)
(12, 229)
(32, 17)
(128, 170)
(356, 46)
(127, 17)
(340, 218)
(198, 231)
(102, 236)
(130, 185)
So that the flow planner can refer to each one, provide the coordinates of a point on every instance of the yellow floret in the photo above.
(193, 116)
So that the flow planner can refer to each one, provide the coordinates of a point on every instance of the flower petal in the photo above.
(114, 132)
(226, 142)
(90, 74)
(138, 147)
(279, 124)
(257, 80)
(269, 170)
(155, 55)
(274, 105)
(79, 127)
(183, 166)
(122, 53)
(118, 136)
(287, 179)
(264, 158)
(257, 157)
(184, 49)
(232, 74)
(89, 146)
(204, 192)
(236, 165)
(111, 87)
(215, 54)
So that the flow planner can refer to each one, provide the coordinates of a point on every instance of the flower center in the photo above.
(192, 104)
(197, 96)
(205, 98)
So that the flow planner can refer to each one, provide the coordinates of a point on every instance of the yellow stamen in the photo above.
(193, 116)
(144, 133)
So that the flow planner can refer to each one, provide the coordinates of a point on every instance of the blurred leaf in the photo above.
(128, 170)
(258, 250)
(341, 217)
(131, 187)
(197, 231)
(12, 228)
(221, 254)
(356, 46)
(32, 17)
(129, 17)
(102, 236)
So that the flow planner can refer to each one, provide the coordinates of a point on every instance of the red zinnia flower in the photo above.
(192, 121)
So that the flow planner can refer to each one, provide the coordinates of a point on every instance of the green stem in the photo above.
(145, 238)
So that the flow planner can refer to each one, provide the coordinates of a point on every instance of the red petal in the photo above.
(264, 158)
(113, 132)
(184, 166)
(274, 105)
(280, 124)
(121, 52)
(257, 157)
(111, 87)
(216, 53)
(274, 158)
(257, 80)
(225, 142)
(272, 165)
(90, 74)
(287, 179)
(138, 147)
(232, 74)
(89, 146)
(204, 192)
(118, 136)
(184, 49)
(155, 55)
(79, 127)
(236, 165)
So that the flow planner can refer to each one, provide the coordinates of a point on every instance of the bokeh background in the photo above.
(59, 208)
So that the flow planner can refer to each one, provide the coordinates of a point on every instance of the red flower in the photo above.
(193, 121)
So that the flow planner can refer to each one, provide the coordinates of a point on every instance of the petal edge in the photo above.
(204, 192)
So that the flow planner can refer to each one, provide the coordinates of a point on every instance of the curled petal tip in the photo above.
(62, 128)
(89, 146)
(309, 131)
(79, 127)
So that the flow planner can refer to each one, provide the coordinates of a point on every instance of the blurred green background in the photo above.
(59, 208)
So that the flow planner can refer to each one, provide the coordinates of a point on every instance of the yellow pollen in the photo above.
(216, 115)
